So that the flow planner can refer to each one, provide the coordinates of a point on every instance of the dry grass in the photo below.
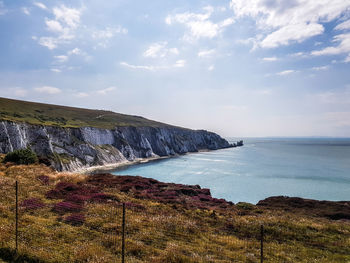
(157, 232)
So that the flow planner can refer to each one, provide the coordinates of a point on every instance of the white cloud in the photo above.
(54, 26)
(49, 42)
(211, 67)
(343, 26)
(103, 36)
(127, 65)
(81, 94)
(286, 72)
(108, 32)
(160, 49)
(65, 27)
(25, 11)
(270, 59)
(78, 52)
(247, 41)
(286, 22)
(65, 22)
(48, 90)
(297, 54)
(19, 92)
(180, 63)
(105, 91)
(3, 10)
(75, 51)
(68, 16)
(290, 33)
(226, 22)
(61, 58)
(320, 68)
(206, 53)
(40, 5)
(343, 46)
(334, 96)
(198, 24)
(222, 8)
(347, 59)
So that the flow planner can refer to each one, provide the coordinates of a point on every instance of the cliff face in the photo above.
(71, 149)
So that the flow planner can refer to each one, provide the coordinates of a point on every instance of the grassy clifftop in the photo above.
(77, 218)
(55, 115)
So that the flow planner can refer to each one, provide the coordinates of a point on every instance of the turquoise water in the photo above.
(308, 168)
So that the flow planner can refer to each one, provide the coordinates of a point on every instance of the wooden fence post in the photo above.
(262, 243)
(16, 216)
(123, 235)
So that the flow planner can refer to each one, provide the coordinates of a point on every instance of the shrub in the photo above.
(65, 207)
(100, 197)
(32, 204)
(44, 160)
(75, 219)
(245, 206)
(44, 179)
(64, 189)
(22, 156)
(78, 199)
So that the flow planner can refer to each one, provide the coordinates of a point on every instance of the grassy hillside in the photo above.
(47, 114)
(67, 218)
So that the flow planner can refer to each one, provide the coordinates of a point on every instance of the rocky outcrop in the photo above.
(189, 196)
(70, 149)
(330, 209)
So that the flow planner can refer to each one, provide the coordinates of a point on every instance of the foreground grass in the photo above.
(156, 232)
(55, 115)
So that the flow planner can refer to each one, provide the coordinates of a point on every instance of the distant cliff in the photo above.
(71, 149)
(72, 138)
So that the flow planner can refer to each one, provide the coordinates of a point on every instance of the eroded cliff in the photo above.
(71, 149)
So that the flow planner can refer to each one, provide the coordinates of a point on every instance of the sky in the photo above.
(238, 68)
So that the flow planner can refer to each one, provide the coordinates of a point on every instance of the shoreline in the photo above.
(124, 164)
(117, 166)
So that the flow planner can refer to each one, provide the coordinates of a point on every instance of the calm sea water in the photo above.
(309, 168)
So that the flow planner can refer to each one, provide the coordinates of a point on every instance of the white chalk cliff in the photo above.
(71, 149)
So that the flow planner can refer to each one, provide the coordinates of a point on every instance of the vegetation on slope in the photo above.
(77, 218)
(54, 115)
(21, 156)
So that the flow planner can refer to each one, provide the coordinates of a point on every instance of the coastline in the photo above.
(231, 172)
(121, 165)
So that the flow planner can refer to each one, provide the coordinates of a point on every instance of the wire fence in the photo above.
(105, 230)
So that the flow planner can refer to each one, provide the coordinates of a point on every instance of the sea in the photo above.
(315, 168)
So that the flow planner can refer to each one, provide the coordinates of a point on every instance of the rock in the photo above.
(71, 149)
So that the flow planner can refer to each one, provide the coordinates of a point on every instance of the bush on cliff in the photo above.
(22, 156)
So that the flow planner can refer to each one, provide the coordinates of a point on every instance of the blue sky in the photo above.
(239, 68)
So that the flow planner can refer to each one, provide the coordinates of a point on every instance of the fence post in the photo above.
(123, 235)
(262, 243)
(16, 216)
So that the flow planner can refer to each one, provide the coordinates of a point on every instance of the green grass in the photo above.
(55, 115)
